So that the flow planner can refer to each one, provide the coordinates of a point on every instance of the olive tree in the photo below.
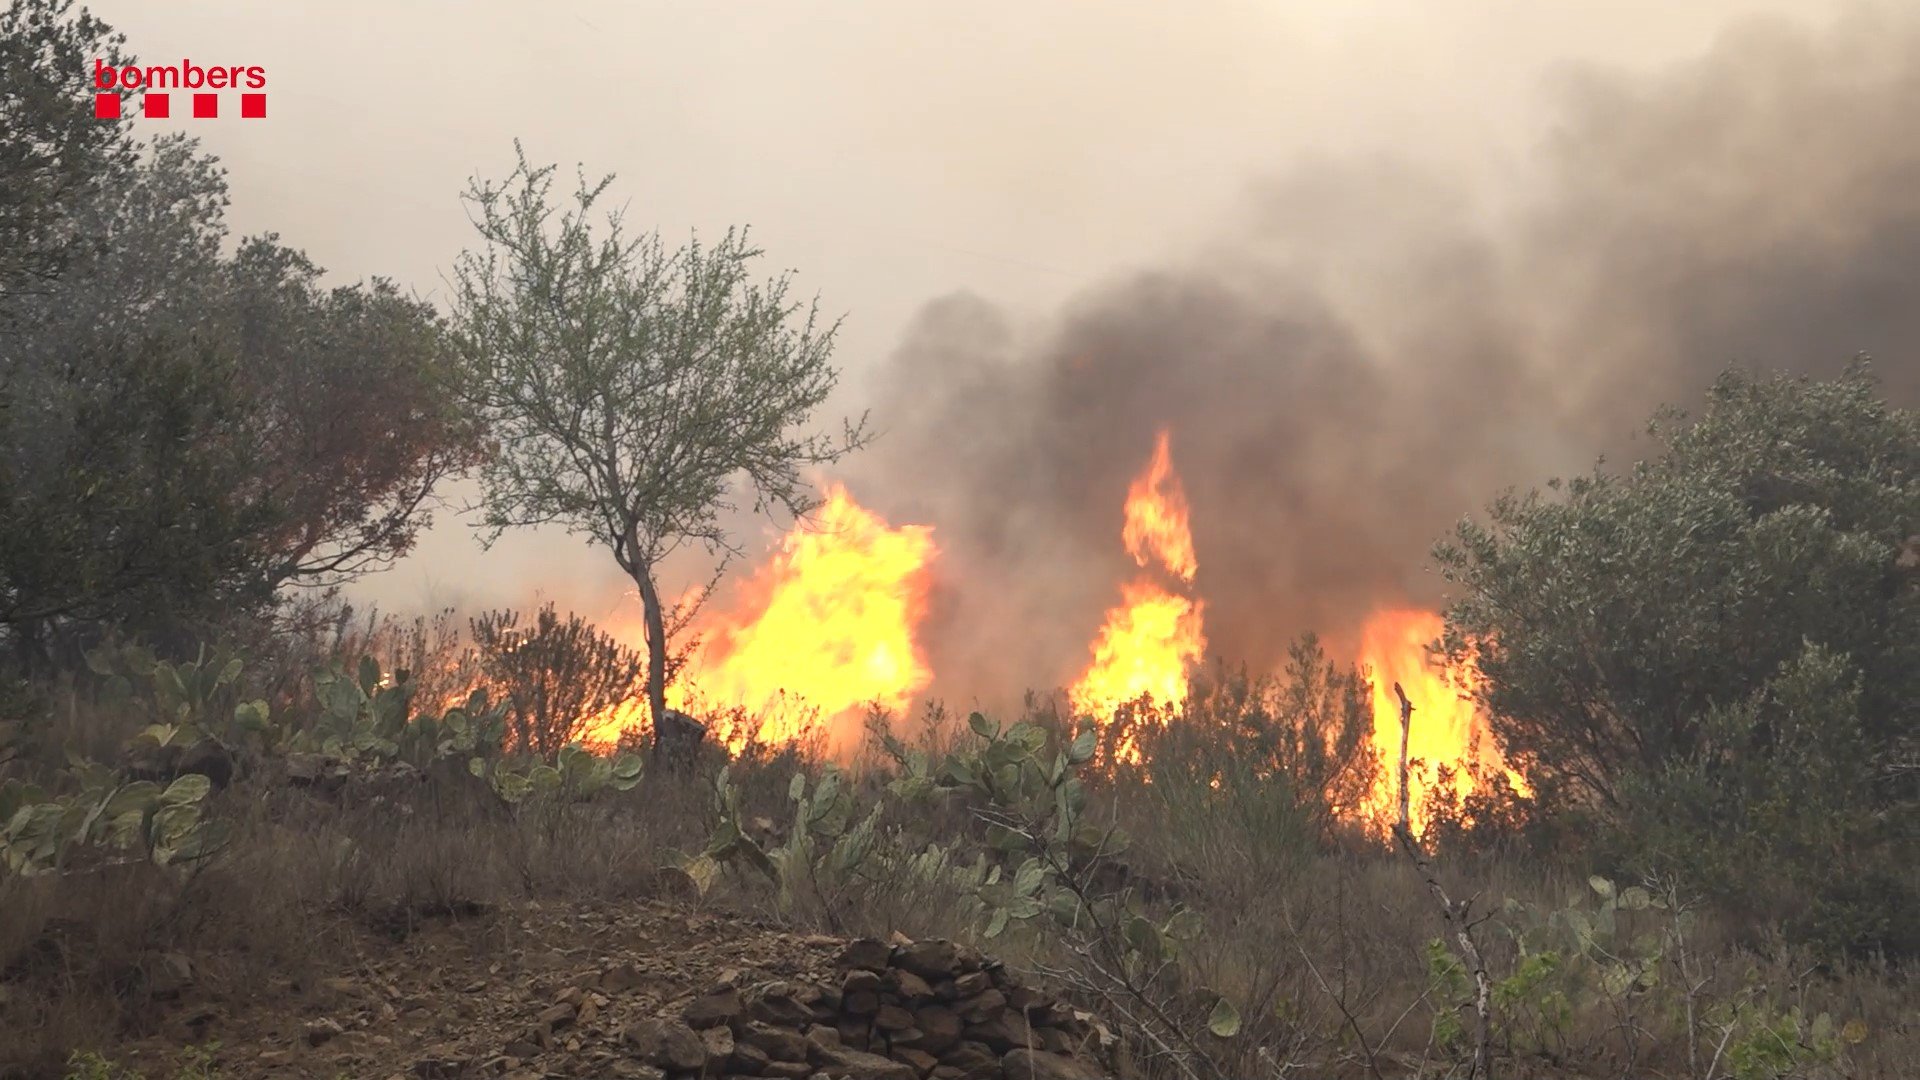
(632, 391)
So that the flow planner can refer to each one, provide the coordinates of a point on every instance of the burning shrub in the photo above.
(557, 675)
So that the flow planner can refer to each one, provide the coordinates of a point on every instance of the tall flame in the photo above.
(1156, 528)
(1446, 730)
(1155, 635)
(826, 627)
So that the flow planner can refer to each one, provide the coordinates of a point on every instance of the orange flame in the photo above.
(1154, 636)
(826, 627)
(1156, 528)
(1447, 729)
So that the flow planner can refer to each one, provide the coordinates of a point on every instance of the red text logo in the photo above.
(154, 81)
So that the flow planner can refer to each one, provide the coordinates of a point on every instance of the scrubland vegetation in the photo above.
(213, 773)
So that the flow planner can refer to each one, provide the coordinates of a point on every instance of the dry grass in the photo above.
(1322, 936)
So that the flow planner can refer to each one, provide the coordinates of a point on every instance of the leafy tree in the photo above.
(556, 675)
(206, 428)
(629, 389)
(54, 153)
(1728, 630)
(104, 482)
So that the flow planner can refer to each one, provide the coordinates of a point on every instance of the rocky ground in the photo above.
(645, 990)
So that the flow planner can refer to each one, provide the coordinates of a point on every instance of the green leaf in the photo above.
(700, 871)
(981, 725)
(999, 920)
(1001, 838)
(200, 843)
(369, 675)
(510, 785)
(1224, 1021)
(251, 716)
(186, 790)
(797, 787)
(1083, 747)
(1635, 898)
(1031, 876)
(1602, 886)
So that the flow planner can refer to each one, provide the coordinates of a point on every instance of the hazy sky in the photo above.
(891, 151)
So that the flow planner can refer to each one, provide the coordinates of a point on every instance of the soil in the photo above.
(535, 991)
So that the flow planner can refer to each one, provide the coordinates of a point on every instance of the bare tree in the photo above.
(631, 391)
(556, 674)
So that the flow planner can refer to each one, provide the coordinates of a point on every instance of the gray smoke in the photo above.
(1365, 356)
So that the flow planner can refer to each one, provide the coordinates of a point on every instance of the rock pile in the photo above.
(906, 1010)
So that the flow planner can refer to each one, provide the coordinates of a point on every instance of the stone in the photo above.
(823, 1043)
(971, 983)
(777, 1003)
(621, 978)
(1024, 1064)
(324, 1030)
(982, 1007)
(668, 1044)
(864, 953)
(853, 1033)
(555, 1016)
(719, 1043)
(939, 1028)
(1024, 998)
(713, 1010)
(781, 1044)
(855, 1065)
(863, 1003)
(972, 1061)
(787, 1070)
(970, 1054)
(860, 980)
(748, 1059)
(892, 1018)
(169, 974)
(1003, 1032)
(930, 959)
(922, 1062)
(910, 987)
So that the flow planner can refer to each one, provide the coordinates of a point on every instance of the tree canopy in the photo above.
(1724, 639)
(631, 391)
(186, 426)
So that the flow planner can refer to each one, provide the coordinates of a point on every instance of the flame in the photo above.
(1447, 729)
(1152, 638)
(826, 627)
(1156, 528)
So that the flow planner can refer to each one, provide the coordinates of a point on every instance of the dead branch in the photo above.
(1457, 915)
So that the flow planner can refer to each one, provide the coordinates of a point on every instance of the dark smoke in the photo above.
(1363, 360)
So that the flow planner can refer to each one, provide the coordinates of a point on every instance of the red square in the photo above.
(205, 106)
(106, 106)
(155, 106)
(253, 106)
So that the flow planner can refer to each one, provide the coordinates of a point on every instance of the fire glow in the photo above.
(1447, 730)
(1151, 641)
(829, 626)
(825, 628)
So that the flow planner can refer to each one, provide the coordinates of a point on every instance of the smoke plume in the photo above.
(1364, 355)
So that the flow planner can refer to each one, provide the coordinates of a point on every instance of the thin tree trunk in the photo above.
(656, 652)
(1456, 913)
